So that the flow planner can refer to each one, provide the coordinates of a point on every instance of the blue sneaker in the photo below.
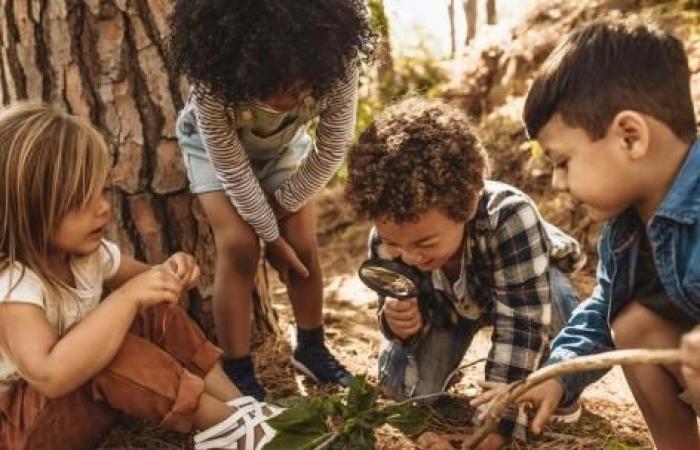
(242, 373)
(317, 362)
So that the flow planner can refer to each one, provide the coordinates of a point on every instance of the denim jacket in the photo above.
(674, 234)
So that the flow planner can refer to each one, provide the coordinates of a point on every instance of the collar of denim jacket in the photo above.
(682, 203)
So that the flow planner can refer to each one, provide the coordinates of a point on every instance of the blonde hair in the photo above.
(51, 163)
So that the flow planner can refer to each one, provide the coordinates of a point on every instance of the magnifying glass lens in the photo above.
(388, 281)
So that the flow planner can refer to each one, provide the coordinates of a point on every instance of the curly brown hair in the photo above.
(241, 50)
(417, 155)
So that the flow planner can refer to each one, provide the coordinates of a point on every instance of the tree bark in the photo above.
(383, 70)
(105, 60)
(453, 38)
(491, 15)
(470, 13)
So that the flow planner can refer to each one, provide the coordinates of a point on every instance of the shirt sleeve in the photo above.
(521, 311)
(586, 333)
(110, 258)
(333, 137)
(21, 285)
(232, 166)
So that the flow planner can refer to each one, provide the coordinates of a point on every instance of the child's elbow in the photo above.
(46, 384)
(51, 389)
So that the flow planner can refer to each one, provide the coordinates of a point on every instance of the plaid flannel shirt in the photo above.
(507, 250)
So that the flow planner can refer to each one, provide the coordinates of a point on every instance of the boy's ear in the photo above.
(631, 132)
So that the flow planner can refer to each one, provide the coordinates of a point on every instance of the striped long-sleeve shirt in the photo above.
(216, 124)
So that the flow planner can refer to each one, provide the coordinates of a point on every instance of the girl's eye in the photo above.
(562, 164)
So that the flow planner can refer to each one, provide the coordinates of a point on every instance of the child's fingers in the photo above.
(405, 315)
(545, 410)
(283, 273)
(297, 266)
(484, 398)
(194, 276)
(180, 265)
(403, 305)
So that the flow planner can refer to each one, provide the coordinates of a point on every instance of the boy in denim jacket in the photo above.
(612, 109)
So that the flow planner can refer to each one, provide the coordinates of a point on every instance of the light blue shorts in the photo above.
(270, 172)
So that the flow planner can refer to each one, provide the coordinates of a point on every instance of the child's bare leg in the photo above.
(237, 254)
(671, 421)
(306, 294)
(218, 385)
(690, 357)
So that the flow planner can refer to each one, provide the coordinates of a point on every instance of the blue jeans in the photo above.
(424, 369)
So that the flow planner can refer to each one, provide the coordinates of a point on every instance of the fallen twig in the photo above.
(582, 364)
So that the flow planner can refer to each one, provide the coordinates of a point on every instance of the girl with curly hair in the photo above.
(262, 71)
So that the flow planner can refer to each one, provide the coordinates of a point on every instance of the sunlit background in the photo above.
(420, 26)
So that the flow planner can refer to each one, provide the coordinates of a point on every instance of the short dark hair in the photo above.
(415, 156)
(242, 50)
(609, 66)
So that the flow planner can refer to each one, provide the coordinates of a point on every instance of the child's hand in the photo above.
(403, 317)
(152, 287)
(545, 397)
(185, 269)
(284, 259)
(490, 390)
(690, 362)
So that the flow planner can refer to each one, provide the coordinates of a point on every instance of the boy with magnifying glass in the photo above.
(479, 250)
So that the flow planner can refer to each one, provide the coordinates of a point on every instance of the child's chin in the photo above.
(87, 248)
(599, 215)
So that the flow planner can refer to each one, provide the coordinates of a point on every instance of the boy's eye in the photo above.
(561, 164)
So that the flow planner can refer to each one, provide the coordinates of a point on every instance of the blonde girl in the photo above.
(71, 360)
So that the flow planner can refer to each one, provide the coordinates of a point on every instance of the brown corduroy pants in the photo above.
(157, 374)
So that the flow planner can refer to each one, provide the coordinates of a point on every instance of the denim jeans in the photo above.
(407, 371)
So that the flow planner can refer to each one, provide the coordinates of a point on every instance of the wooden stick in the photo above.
(599, 361)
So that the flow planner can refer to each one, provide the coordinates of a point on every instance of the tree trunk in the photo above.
(453, 39)
(491, 16)
(105, 60)
(470, 14)
(383, 70)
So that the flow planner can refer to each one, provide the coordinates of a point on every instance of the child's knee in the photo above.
(239, 253)
(636, 326)
(308, 255)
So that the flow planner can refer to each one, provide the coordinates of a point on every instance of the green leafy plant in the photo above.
(342, 422)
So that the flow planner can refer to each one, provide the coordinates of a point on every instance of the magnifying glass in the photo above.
(392, 278)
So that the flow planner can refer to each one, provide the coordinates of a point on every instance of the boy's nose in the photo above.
(410, 258)
(559, 180)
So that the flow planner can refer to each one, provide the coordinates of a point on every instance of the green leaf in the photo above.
(332, 406)
(293, 401)
(299, 420)
(362, 438)
(362, 395)
(287, 441)
(409, 419)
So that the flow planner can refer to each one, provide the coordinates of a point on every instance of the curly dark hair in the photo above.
(240, 50)
(417, 155)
